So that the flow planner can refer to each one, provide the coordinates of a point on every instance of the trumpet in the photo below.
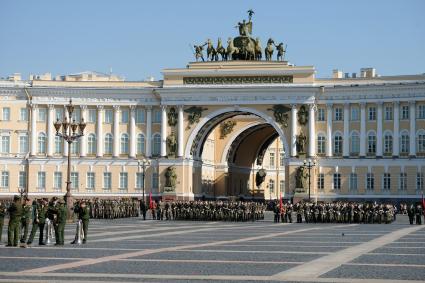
(79, 233)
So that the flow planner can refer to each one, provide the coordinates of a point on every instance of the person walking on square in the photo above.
(419, 212)
(61, 221)
(3, 211)
(84, 215)
(39, 222)
(15, 214)
(26, 219)
(143, 208)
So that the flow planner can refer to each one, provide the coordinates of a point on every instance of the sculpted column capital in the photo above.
(100, 107)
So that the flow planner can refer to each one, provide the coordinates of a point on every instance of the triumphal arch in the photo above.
(240, 121)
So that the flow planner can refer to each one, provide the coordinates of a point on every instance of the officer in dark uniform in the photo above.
(3, 211)
(143, 208)
(419, 212)
(61, 221)
(15, 213)
(411, 213)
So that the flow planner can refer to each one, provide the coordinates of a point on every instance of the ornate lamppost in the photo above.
(144, 162)
(309, 164)
(70, 133)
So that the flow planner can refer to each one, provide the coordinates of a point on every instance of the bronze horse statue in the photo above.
(211, 52)
(258, 49)
(220, 50)
(268, 51)
(231, 51)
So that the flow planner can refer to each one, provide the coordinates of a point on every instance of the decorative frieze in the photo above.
(237, 80)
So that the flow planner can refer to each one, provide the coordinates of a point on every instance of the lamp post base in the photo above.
(69, 199)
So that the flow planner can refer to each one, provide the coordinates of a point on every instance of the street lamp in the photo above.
(21, 191)
(144, 162)
(309, 164)
(69, 134)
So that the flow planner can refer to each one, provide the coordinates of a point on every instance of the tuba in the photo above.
(79, 233)
(50, 232)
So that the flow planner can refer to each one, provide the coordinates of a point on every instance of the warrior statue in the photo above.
(301, 177)
(172, 145)
(198, 52)
(280, 52)
(170, 177)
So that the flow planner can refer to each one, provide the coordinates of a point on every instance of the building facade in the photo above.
(216, 126)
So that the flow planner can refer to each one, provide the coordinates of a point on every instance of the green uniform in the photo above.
(15, 213)
(38, 223)
(84, 215)
(2, 214)
(25, 221)
(61, 221)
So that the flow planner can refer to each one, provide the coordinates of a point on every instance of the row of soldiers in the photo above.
(205, 210)
(113, 208)
(335, 212)
(44, 215)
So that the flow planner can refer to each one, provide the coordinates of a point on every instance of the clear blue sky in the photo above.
(140, 38)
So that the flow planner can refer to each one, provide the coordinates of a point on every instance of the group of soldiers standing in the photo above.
(205, 210)
(335, 212)
(113, 208)
(44, 215)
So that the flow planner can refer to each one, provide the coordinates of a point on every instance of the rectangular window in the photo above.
(370, 182)
(123, 180)
(353, 182)
(405, 112)
(75, 147)
(355, 115)
(156, 116)
(6, 114)
(109, 116)
(271, 186)
(403, 182)
(22, 183)
(107, 180)
(321, 114)
(59, 114)
(321, 182)
(41, 184)
(92, 116)
(271, 160)
(57, 181)
(155, 180)
(74, 181)
(23, 114)
(76, 115)
(338, 114)
(282, 186)
(372, 114)
(90, 180)
(282, 159)
(421, 111)
(41, 115)
(388, 113)
(58, 145)
(5, 144)
(4, 183)
(140, 116)
(337, 181)
(139, 180)
(420, 181)
(23, 144)
(124, 116)
(387, 182)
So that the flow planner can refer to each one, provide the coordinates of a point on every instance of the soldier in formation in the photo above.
(336, 212)
(210, 210)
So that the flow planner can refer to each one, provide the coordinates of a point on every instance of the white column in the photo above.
(116, 147)
(163, 130)
(294, 131)
(346, 144)
(312, 131)
(329, 130)
(83, 139)
(412, 113)
(379, 139)
(50, 130)
(33, 129)
(99, 131)
(65, 144)
(362, 129)
(148, 140)
(396, 134)
(180, 132)
(132, 131)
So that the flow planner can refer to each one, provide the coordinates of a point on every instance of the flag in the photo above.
(150, 200)
(280, 202)
(423, 203)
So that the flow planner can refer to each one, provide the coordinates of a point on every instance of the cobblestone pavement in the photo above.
(133, 250)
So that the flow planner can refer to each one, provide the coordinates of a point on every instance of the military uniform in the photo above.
(26, 218)
(15, 214)
(61, 221)
(38, 223)
(2, 215)
(84, 215)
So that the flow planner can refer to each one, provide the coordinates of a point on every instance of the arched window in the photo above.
(421, 142)
(388, 143)
(371, 143)
(338, 144)
(91, 144)
(124, 144)
(108, 144)
(140, 144)
(321, 144)
(354, 143)
(156, 145)
(58, 145)
(41, 143)
(404, 142)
